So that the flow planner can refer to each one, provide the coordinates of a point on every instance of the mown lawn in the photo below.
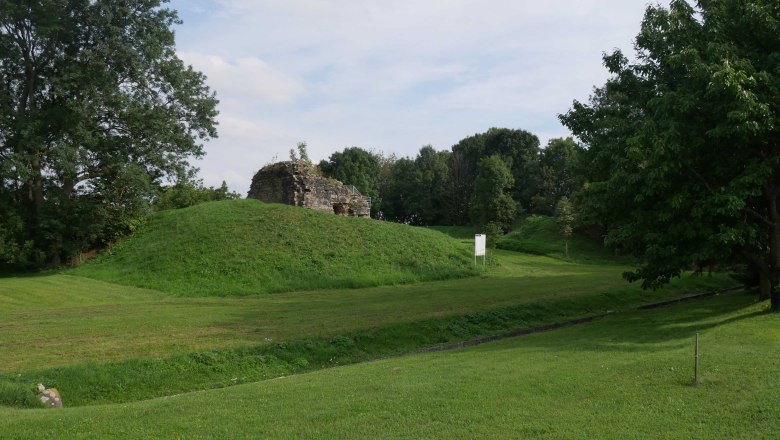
(58, 320)
(627, 376)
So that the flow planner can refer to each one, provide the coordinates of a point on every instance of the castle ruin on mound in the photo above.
(301, 184)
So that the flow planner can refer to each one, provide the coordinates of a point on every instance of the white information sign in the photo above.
(479, 245)
(479, 248)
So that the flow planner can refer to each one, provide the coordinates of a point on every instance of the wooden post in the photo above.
(696, 362)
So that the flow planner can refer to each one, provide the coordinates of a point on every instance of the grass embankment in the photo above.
(627, 376)
(99, 342)
(539, 235)
(243, 247)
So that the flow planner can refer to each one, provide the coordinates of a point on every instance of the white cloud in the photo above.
(248, 77)
(392, 75)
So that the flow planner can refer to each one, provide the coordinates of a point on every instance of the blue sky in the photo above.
(390, 75)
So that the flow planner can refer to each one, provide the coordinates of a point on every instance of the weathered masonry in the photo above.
(300, 184)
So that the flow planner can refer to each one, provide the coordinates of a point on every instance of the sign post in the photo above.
(480, 241)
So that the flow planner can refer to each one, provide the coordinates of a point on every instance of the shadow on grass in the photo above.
(28, 274)
(644, 330)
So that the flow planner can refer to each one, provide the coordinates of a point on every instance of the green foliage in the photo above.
(186, 193)
(242, 247)
(415, 193)
(564, 217)
(95, 110)
(492, 202)
(682, 155)
(560, 174)
(302, 155)
(494, 234)
(518, 148)
(355, 166)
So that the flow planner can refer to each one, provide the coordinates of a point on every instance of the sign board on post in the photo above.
(480, 241)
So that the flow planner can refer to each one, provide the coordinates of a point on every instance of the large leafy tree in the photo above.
(415, 190)
(684, 143)
(492, 201)
(519, 150)
(559, 173)
(95, 109)
(430, 180)
(355, 166)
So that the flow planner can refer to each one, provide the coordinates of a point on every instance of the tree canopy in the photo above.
(492, 201)
(683, 143)
(95, 109)
(354, 166)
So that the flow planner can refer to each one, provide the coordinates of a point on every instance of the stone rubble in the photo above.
(49, 396)
(300, 184)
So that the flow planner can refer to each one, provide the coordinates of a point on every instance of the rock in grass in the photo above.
(49, 396)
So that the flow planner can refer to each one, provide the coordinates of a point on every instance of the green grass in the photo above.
(539, 235)
(89, 338)
(627, 376)
(243, 247)
(458, 232)
(103, 344)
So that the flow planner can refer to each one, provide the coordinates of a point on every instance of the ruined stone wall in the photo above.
(299, 184)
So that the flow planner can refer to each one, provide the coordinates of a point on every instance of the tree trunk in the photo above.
(764, 284)
(771, 194)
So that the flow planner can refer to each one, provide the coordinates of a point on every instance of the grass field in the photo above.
(539, 235)
(89, 338)
(245, 247)
(627, 376)
(203, 365)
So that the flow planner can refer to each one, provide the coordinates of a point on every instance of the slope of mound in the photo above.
(539, 235)
(245, 247)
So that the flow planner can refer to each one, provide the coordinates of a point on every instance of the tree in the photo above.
(559, 173)
(303, 153)
(95, 110)
(492, 202)
(430, 181)
(399, 191)
(189, 192)
(519, 150)
(564, 217)
(683, 144)
(355, 166)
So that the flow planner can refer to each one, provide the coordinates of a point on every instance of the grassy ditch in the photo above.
(139, 379)
(627, 376)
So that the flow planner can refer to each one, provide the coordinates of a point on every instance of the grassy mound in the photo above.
(245, 247)
(539, 235)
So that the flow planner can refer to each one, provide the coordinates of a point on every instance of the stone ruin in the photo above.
(301, 184)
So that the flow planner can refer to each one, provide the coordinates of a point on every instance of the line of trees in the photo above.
(489, 177)
(677, 159)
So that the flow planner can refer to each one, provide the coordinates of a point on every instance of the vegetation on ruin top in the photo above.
(244, 247)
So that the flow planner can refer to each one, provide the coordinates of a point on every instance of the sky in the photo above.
(390, 76)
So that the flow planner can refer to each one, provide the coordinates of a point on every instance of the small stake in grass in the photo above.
(696, 362)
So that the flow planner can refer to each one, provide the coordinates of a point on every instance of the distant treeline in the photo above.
(488, 177)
